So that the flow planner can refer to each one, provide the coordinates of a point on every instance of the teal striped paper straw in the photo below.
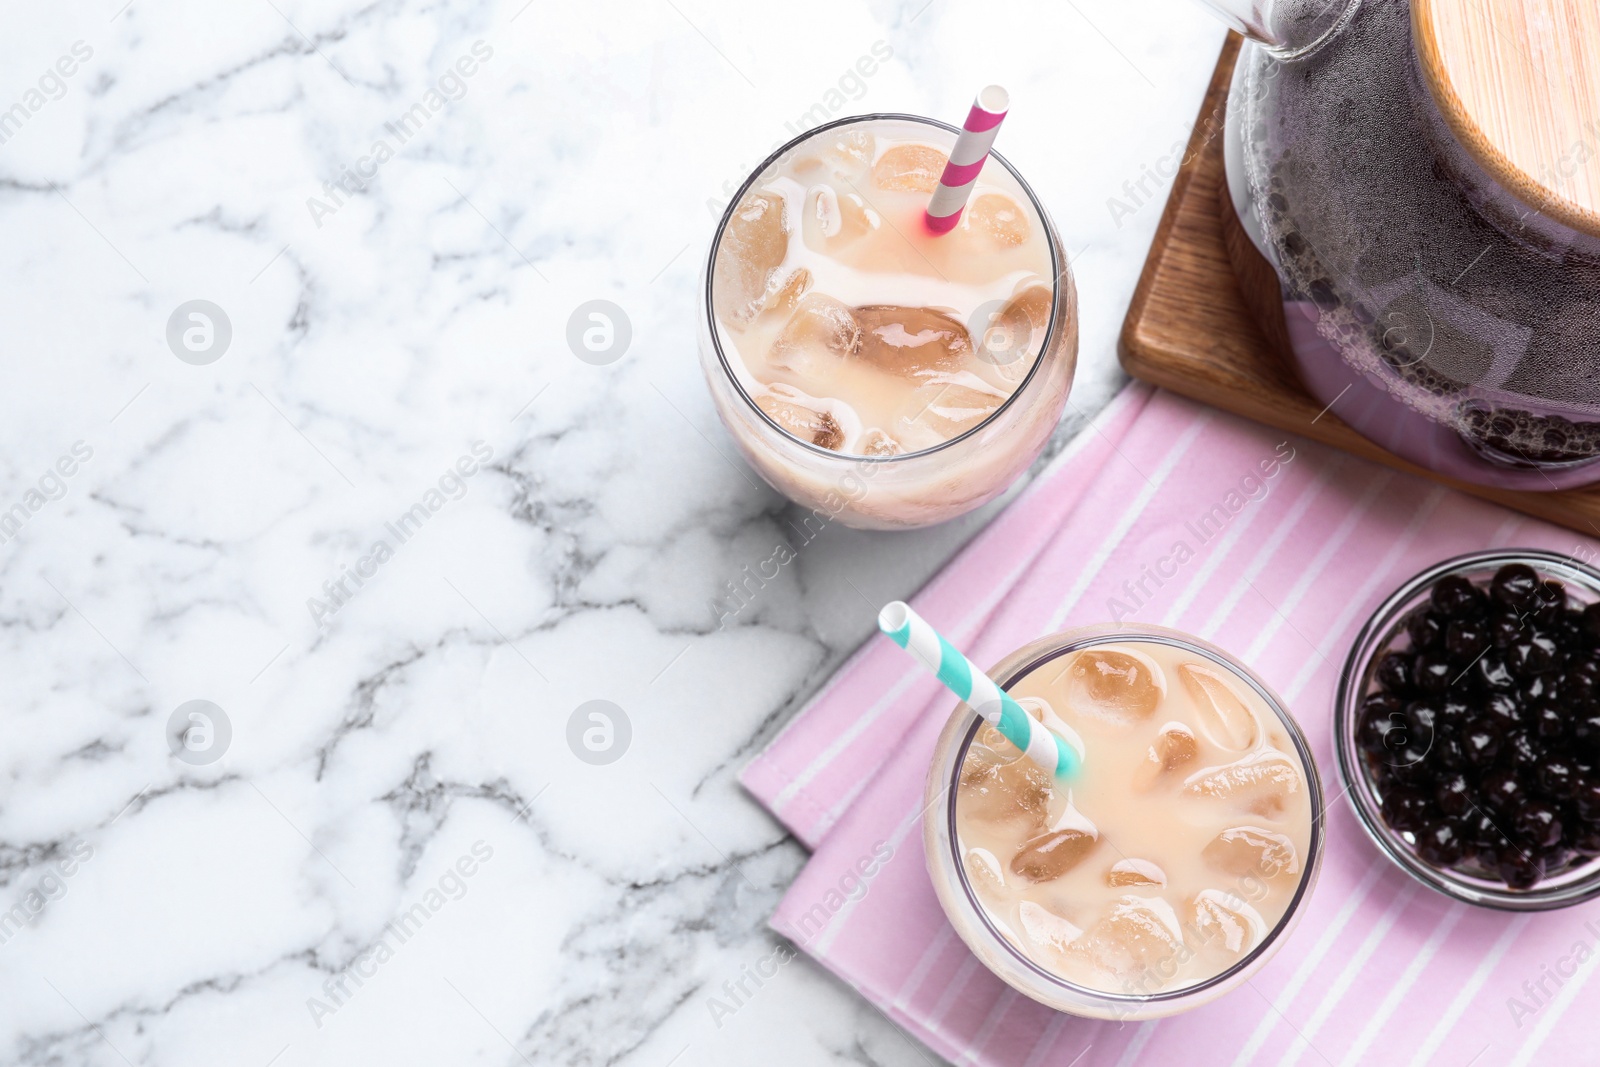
(962, 677)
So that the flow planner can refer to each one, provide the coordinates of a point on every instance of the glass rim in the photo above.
(722, 226)
(1379, 628)
(1076, 641)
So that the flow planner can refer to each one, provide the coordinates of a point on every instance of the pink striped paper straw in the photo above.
(966, 158)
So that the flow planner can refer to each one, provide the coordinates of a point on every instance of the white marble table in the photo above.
(388, 854)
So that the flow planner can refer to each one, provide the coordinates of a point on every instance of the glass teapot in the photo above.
(1424, 178)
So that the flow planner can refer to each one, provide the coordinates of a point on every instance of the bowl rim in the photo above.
(1379, 628)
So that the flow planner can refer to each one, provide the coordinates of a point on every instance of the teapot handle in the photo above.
(1289, 29)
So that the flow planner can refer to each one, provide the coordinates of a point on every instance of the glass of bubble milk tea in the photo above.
(1168, 866)
(882, 374)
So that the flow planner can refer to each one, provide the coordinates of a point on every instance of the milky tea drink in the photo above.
(1171, 857)
(847, 338)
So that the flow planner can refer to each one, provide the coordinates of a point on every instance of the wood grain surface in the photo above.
(1519, 83)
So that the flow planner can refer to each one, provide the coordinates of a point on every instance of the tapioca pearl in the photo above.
(1503, 790)
(1516, 586)
(1520, 752)
(1454, 596)
(1425, 628)
(1481, 741)
(1548, 720)
(1587, 842)
(1585, 732)
(1519, 871)
(1586, 799)
(1449, 754)
(1556, 777)
(1504, 628)
(1538, 824)
(1552, 607)
(1432, 673)
(1394, 673)
(1454, 795)
(1492, 674)
(1504, 708)
(1465, 640)
(1440, 843)
(1531, 655)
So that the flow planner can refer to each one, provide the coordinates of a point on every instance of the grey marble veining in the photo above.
(399, 534)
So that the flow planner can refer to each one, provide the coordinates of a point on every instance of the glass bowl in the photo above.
(1385, 632)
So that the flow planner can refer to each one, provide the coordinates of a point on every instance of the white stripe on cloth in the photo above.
(1352, 971)
(970, 1054)
(1314, 569)
(1447, 1022)
(1396, 996)
(1308, 966)
(1124, 523)
(1286, 525)
(1550, 1016)
(1358, 602)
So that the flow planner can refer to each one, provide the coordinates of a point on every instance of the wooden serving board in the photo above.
(1191, 330)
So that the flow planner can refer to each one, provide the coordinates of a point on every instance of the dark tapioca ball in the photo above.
(1520, 752)
(1586, 842)
(1439, 843)
(1464, 639)
(1585, 733)
(1448, 753)
(1504, 708)
(1480, 741)
(1409, 761)
(1581, 680)
(1504, 628)
(1571, 626)
(1426, 628)
(1491, 672)
(1394, 673)
(1531, 654)
(1454, 796)
(1586, 798)
(1556, 777)
(1453, 596)
(1484, 829)
(1422, 718)
(1519, 871)
(1406, 810)
(1502, 790)
(1538, 824)
(1552, 603)
(1539, 687)
(1381, 703)
(1591, 622)
(1432, 673)
(1516, 587)
(1382, 730)
(1547, 720)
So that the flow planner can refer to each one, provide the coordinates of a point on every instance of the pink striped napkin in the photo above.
(1283, 573)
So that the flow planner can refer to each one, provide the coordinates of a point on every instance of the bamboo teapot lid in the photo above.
(1518, 81)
